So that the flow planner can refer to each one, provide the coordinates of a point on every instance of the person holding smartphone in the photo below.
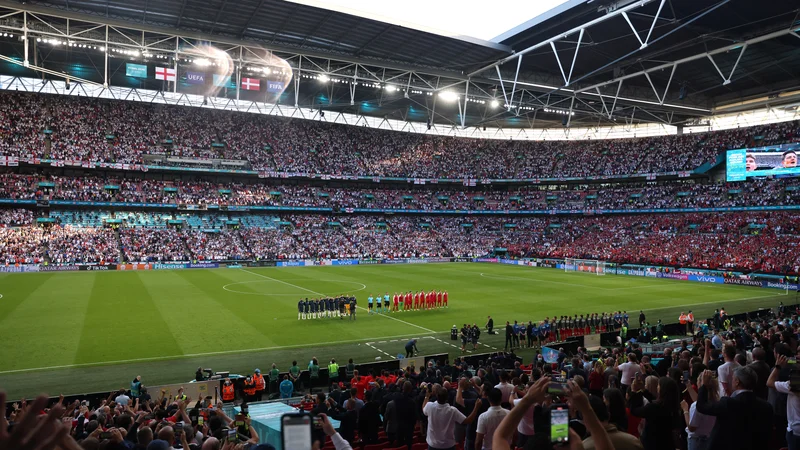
(537, 394)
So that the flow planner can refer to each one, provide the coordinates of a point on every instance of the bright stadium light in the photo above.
(494, 104)
(448, 96)
(202, 62)
(324, 78)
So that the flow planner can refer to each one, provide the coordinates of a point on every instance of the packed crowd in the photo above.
(623, 196)
(87, 129)
(733, 388)
(15, 217)
(69, 245)
(746, 241)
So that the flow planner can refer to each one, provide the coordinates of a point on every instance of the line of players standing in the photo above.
(562, 327)
(327, 307)
(410, 301)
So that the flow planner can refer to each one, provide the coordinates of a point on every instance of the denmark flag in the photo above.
(165, 73)
(251, 84)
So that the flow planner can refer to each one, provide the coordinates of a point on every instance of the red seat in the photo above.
(377, 446)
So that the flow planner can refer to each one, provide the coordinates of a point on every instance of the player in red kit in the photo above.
(396, 302)
(444, 299)
(439, 299)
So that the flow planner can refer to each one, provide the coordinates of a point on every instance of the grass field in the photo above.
(76, 332)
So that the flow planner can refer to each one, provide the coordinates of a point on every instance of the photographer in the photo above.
(792, 402)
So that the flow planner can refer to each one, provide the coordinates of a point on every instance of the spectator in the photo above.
(619, 438)
(743, 421)
(663, 416)
(442, 417)
(792, 405)
(490, 420)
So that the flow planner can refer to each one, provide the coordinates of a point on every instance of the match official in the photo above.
(411, 348)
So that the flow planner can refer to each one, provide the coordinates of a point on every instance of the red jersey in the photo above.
(360, 385)
(438, 297)
(396, 299)
(444, 297)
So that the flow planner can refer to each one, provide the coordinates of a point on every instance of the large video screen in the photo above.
(774, 160)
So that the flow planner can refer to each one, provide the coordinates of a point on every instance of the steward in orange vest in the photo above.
(228, 391)
(261, 384)
(249, 389)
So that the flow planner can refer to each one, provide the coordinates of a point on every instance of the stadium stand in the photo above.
(140, 183)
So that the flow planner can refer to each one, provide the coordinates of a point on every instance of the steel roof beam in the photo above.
(609, 15)
(696, 57)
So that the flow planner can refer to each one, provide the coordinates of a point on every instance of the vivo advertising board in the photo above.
(707, 279)
(344, 262)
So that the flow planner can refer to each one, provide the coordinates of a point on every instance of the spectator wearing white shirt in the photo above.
(505, 387)
(628, 371)
(725, 371)
(700, 425)
(442, 418)
(525, 429)
(490, 420)
(792, 402)
(122, 399)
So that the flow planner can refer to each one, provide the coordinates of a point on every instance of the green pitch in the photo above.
(82, 332)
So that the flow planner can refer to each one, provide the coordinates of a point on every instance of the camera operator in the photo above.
(792, 389)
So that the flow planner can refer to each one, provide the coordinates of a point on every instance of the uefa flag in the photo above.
(251, 84)
(550, 355)
(223, 81)
(165, 73)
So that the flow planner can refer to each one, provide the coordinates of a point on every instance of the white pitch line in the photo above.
(723, 301)
(193, 355)
(323, 295)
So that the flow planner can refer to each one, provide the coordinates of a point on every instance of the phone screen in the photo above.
(200, 420)
(557, 388)
(686, 378)
(232, 436)
(317, 421)
(296, 431)
(559, 424)
(105, 435)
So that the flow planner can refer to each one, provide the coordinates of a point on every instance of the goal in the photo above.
(588, 265)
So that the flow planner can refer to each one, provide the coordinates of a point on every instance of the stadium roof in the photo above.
(699, 57)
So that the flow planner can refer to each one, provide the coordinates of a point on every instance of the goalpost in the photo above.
(587, 265)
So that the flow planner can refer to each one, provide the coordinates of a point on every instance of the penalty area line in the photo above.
(195, 355)
(428, 330)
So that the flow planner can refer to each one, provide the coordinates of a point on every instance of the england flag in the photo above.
(165, 73)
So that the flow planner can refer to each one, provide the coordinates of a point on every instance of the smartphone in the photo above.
(791, 361)
(296, 431)
(178, 427)
(105, 435)
(317, 422)
(232, 436)
(200, 420)
(559, 424)
(556, 388)
(686, 379)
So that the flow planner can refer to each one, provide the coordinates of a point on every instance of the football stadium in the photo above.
(329, 224)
